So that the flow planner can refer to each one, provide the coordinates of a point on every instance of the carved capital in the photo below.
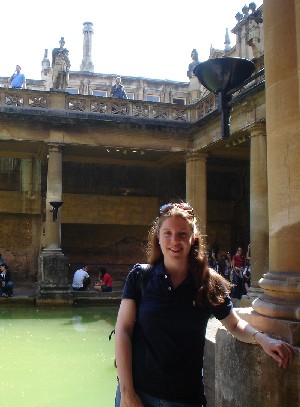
(257, 129)
(196, 156)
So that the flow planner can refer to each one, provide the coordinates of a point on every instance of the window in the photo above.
(130, 96)
(153, 98)
(72, 91)
(179, 101)
(102, 93)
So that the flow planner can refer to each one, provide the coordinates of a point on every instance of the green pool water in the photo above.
(57, 357)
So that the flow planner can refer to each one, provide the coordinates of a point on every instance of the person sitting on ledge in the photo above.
(81, 279)
(6, 285)
(105, 281)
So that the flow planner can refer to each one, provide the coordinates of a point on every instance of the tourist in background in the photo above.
(225, 265)
(104, 283)
(6, 285)
(117, 90)
(17, 80)
(81, 279)
(238, 263)
(2, 259)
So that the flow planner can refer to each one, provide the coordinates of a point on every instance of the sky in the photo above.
(151, 39)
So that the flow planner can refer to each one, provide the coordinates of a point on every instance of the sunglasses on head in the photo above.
(181, 205)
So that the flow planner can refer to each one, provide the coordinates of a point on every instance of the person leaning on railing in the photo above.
(17, 80)
(117, 90)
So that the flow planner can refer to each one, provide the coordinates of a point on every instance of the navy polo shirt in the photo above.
(169, 337)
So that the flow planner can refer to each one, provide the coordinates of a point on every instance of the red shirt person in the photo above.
(105, 281)
(238, 263)
(238, 259)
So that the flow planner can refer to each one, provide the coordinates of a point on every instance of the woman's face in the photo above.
(175, 237)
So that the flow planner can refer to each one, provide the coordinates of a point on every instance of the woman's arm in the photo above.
(279, 350)
(124, 327)
(233, 262)
(248, 253)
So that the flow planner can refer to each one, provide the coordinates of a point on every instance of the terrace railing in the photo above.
(38, 102)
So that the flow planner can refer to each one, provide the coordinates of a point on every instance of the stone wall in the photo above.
(237, 374)
(20, 244)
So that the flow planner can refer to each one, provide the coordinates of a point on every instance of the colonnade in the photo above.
(274, 275)
(274, 227)
(280, 303)
(277, 310)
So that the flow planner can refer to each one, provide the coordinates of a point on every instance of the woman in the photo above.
(104, 283)
(160, 337)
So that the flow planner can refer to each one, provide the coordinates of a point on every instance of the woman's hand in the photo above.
(281, 351)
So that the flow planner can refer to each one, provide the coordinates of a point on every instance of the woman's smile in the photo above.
(175, 237)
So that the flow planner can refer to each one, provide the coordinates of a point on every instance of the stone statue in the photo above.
(60, 66)
(192, 65)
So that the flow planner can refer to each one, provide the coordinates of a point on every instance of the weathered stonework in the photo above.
(53, 287)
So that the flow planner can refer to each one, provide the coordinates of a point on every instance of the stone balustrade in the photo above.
(98, 106)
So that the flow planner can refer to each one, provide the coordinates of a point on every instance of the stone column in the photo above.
(196, 189)
(259, 225)
(53, 265)
(54, 193)
(280, 304)
(194, 89)
(140, 91)
(87, 65)
(278, 310)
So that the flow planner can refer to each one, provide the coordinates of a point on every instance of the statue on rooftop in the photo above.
(60, 66)
(193, 64)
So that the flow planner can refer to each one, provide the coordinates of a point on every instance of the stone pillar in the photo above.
(194, 89)
(87, 65)
(54, 193)
(277, 311)
(196, 189)
(53, 265)
(279, 307)
(140, 91)
(259, 225)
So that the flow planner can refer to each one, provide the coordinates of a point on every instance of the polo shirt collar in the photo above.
(161, 271)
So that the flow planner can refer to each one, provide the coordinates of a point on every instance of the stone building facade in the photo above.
(111, 163)
(127, 154)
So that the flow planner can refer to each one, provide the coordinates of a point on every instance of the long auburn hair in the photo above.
(212, 288)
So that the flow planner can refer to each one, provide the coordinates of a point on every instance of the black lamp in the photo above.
(55, 205)
(220, 75)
